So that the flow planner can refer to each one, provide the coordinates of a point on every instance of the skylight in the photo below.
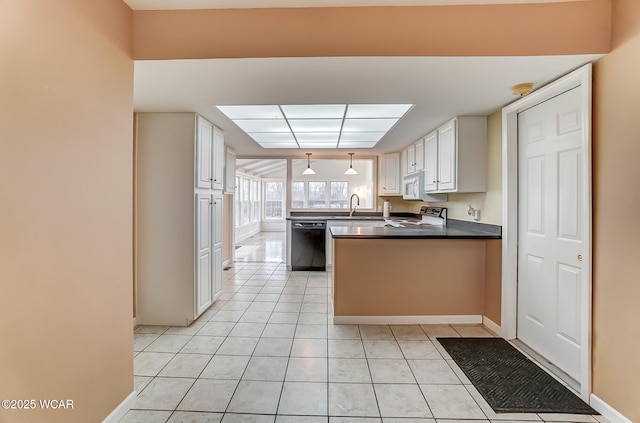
(317, 125)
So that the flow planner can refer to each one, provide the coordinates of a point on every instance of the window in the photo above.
(255, 201)
(317, 195)
(339, 195)
(329, 187)
(273, 200)
(246, 201)
(238, 202)
(299, 195)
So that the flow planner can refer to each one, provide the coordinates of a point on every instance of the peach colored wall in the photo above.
(616, 207)
(400, 277)
(480, 30)
(66, 113)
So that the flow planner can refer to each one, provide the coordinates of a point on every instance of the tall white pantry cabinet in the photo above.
(178, 217)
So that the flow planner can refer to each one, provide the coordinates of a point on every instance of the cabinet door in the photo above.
(447, 157)
(217, 272)
(204, 251)
(216, 263)
(218, 159)
(391, 174)
(431, 162)
(204, 143)
(230, 173)
(403, 160)
(217, 220)
(419, 155)
(411, 159)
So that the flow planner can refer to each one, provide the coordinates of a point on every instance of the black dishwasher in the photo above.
(308, 240)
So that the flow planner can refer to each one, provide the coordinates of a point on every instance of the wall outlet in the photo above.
(474, 213)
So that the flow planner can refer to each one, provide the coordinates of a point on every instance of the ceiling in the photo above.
(440, 88)
(236, 4)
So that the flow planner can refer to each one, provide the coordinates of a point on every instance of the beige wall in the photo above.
(66, 114)
(489, 203)
(569, 28)
(616, 207)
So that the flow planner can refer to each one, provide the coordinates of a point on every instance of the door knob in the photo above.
(579, 257)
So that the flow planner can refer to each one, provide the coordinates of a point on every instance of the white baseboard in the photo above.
(406, 320)
(491, 325)
(613, 415)
(122, 409)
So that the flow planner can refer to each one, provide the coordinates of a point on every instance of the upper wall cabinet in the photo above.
(218, 159)
(414, 157)
(456, 156)
(210, 155)
(230, 172)
(390, 175)
(204, 152)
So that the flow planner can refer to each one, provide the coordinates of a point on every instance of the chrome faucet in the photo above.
(352, 210)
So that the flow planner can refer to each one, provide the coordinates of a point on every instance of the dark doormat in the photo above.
(508, 380)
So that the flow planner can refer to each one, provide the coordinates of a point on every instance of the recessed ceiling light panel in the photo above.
(316, 125)
(318, 137)
(368, 125)
(262, 125)
(252, 112)
(279, 145)
(314, 111)
(266, 137)
(361, 136)
(370, 144)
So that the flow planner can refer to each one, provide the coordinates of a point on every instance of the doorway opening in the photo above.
(260, 210)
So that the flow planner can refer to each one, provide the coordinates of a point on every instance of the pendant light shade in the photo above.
(351, 170)
(308, 170)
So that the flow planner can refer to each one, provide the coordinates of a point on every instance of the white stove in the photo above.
(436, 216)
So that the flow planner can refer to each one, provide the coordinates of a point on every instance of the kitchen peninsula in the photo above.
(416, 273)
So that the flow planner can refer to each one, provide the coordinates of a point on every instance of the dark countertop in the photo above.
(413, 232)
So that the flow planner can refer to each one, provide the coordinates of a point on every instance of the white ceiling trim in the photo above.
(262, 4)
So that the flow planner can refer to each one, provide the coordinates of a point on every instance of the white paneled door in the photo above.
(551, 242)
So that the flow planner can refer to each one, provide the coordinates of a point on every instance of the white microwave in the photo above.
(413, 189)
(413, 186)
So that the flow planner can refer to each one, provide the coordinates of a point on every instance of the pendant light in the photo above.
(308, 170)
(351, 170)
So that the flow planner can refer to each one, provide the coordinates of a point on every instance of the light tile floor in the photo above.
(267, 351)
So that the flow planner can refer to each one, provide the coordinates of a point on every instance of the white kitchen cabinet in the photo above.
(230, 172)
(204, 152)
(431, 162)
(414, 157)
(204, 251)
(456, 156)
(218, 236)
(390, 175)
(218, 159)
(178, 220)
